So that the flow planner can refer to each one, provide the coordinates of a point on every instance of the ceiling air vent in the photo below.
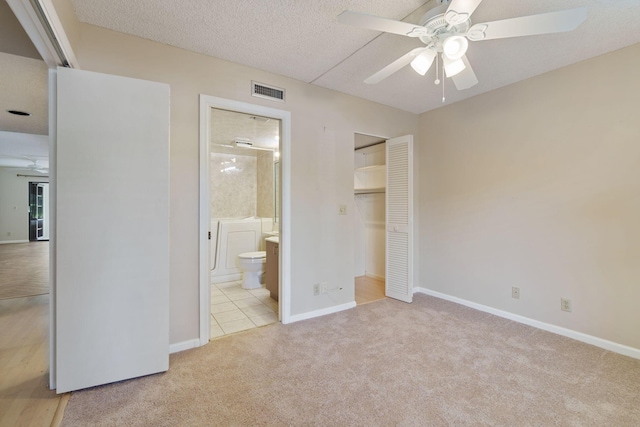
(267, 92)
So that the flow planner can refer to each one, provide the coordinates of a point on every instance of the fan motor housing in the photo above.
(438, 29)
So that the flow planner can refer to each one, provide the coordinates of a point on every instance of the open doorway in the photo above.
(369, 238)
(229, 149)
(244, 152)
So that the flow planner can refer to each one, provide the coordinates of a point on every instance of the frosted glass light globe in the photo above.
(455, 47)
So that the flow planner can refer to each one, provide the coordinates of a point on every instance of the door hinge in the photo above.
(209, 234)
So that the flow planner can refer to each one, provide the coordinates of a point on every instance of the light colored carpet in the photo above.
(429, 363)
(24, 269)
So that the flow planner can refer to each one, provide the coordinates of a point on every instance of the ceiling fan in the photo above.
(39, 166)
(446, 31)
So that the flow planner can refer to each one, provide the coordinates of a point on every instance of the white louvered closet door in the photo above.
(399, 211)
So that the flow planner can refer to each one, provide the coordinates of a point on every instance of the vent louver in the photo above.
(267, 92)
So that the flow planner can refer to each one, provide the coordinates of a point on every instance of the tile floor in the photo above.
(234, 309)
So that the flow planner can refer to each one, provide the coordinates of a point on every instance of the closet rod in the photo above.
(369, 145)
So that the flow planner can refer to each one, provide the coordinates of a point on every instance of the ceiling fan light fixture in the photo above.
(422, 62)
(454, 18)
(455, 47)
(452, 66)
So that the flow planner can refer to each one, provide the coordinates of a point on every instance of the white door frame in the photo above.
(206, 104)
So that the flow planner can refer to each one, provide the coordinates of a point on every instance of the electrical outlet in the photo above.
(342, 209)
(316, 289)
(565, 304)
(323, 287)
(515, 292)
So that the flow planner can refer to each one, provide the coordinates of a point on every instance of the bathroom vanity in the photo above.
(271, 267)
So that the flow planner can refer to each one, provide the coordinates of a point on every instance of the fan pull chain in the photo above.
(443, 98)
(437, 80)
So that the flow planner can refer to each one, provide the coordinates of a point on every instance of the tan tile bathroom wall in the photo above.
(233, 191)
(265, 185)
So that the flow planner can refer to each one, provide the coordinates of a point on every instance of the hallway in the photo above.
(25, 398)
(24, 269)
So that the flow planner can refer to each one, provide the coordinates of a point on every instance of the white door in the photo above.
(111, 229)
(399, 211)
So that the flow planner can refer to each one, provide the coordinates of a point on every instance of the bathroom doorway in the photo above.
(244, 150)
(369, 238)
(244, 217)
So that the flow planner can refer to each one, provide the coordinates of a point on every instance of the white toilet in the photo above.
(251, 264)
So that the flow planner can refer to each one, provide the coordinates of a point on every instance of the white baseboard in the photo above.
(4, 242)
(579, 336)
(184, 345)
(321, 312)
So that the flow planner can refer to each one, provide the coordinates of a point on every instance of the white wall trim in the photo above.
(206, 103)
(321, 312)
(58, 30)
(569, 333)
(4, 242)
(28, 18)
(226, 278)
(184, 345)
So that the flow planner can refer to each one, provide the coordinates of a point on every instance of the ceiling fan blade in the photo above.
(372, 22)
(465, 78)
(544, 23)
(460, 10)
(394, 66)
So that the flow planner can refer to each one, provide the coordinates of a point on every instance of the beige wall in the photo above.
(67, 15)
(323, 124)
(537, 185)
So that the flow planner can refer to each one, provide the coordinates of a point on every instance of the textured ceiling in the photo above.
(288, 37)
(303, 40)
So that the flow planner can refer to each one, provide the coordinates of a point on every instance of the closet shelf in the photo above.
(369, 190)
(371, 168)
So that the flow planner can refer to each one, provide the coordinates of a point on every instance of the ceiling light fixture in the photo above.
(18, 112)
(452, 66)
(243, 142)
(422, 62)
(446, 29)
(455, 47)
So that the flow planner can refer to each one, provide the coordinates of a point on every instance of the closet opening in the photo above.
(369, 238)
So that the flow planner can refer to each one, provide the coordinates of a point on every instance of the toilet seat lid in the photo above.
(253, 255)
